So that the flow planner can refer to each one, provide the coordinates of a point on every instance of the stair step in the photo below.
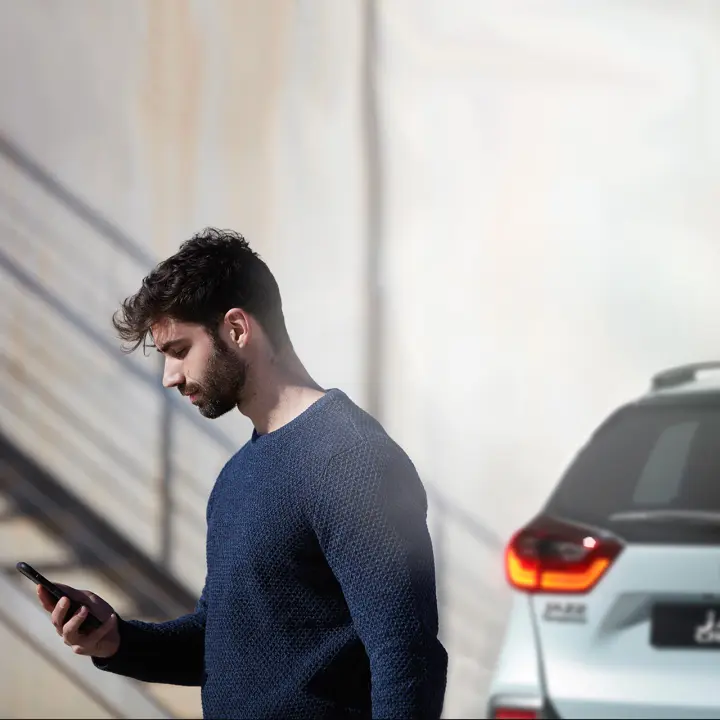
(22, 539)
(182, 702)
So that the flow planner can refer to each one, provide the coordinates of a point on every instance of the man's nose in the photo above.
(172, 373)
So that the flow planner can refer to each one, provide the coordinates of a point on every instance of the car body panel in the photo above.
(605, 666)
(518, 672)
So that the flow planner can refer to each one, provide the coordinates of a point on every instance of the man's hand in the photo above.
(103, 642)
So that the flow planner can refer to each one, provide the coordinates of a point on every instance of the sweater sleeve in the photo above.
(369, 514)
(171, 652)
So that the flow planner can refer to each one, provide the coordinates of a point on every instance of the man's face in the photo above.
(204, 368)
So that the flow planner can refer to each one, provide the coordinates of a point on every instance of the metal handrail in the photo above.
(23, 161)
(53, 186)
(448, 511)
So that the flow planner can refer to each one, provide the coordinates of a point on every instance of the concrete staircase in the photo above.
(34, 657)
(97, 476)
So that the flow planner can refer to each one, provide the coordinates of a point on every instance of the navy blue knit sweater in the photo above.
(319, 600)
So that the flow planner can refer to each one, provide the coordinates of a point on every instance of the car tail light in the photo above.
(556, 557)
(502, 713)
(511, 707)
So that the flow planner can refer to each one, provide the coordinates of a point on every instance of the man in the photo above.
(319, 600)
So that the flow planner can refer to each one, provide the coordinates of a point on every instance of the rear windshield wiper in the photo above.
(689, 516)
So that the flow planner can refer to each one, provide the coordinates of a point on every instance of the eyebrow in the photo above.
(163, 348)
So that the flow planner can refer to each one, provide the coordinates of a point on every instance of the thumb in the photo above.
(104, 630)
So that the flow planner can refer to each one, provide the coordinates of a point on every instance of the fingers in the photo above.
(97, 635)
(46, 599)
(71, 629)
(89, 642)
(59, 613)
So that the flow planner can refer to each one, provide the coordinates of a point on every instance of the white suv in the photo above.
(616, 583)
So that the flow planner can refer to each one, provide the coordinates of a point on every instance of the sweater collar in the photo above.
(330, 395)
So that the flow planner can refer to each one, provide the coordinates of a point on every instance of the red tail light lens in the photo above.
(514, 714)
(556, 557)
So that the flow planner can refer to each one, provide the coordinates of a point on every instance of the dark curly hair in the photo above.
(210, 274)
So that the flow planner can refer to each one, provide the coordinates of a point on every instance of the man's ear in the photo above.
(238, 325)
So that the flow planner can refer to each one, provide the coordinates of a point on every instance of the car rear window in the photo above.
(662, 456)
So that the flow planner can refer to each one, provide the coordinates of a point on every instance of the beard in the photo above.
(222, 386)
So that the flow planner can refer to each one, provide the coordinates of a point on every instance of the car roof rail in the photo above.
(682, 374)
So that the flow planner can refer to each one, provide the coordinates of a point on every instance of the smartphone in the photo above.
(89, 624)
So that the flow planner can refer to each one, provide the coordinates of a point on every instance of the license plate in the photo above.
(686, 626)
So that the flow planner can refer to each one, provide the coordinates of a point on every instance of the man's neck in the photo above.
(278, 392)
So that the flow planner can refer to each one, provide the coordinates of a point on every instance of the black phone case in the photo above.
(89, 624)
